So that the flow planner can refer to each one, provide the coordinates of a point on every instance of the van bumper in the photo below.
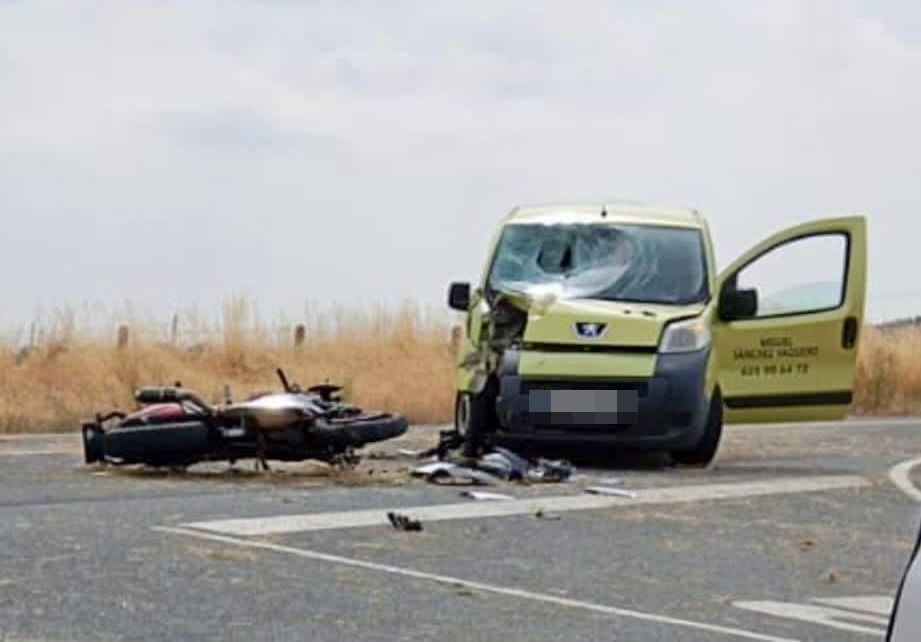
(667, 411)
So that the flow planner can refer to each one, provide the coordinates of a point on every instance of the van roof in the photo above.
(613, 212)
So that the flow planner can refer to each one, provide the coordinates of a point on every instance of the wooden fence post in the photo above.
(300, 335)
(123, 336)
(174, 330)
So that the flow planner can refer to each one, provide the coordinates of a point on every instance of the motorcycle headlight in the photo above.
(688, 335)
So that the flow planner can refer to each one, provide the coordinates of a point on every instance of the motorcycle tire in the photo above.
(358, 431)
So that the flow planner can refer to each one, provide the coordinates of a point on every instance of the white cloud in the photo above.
(256, 146)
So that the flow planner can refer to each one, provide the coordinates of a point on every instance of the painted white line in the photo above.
(820, 615)
(27, 452)
(876, 604)
(480, 586)
(855, 422)
(282, 524)
(899, 475)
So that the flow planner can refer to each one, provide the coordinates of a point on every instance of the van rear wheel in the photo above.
(705, 450)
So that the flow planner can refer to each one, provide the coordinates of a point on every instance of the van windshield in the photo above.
(641, 263)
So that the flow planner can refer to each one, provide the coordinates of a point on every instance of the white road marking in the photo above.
(876, 604)
(282, 524)
(856, 422)
(27, 452)
(899, 475)
(482, 587)
(834, 618)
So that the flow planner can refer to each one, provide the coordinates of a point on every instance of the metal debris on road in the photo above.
(445, 472)
(485, 496)
(551, 471)
(606, 490)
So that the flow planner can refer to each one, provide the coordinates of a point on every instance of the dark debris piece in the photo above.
(404, 523)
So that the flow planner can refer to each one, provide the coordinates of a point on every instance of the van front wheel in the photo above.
(705, 450)
(474, 416)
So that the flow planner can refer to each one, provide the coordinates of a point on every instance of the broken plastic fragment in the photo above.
(551, 471)
(485, 496)
(442, 471)
(404, 523)
(605, 490)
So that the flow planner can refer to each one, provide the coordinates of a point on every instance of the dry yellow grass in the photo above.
(889, 372)
(395, 359)
(388, 359)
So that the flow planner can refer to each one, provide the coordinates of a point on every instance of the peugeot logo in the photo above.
(589, 330)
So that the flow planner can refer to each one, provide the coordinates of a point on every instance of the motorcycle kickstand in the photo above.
(262, 463)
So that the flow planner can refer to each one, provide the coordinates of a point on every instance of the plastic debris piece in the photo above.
(551, 471)
(446, 472)
(607, 490)
(447, 440)
(542, 514)
(404, 523)
(484, 496)
(610, 481)
(517, 463)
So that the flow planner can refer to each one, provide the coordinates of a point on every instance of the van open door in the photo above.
(788, 321)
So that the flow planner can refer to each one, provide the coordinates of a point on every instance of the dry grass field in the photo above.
(397, 359)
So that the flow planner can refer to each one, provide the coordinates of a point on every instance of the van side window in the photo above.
(801, 276)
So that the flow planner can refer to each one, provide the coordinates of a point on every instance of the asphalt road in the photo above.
(797, 533)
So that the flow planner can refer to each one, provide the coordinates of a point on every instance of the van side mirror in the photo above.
(459, 296)
(738, 304)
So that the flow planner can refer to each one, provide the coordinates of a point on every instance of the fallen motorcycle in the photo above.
(175, 427)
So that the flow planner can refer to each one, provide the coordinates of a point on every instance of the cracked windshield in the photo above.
(639, 263)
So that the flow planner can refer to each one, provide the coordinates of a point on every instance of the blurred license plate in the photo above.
(583, 407)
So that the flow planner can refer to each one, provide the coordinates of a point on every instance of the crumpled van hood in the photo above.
(625, 324)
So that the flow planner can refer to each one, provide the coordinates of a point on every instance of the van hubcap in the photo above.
(462, 415)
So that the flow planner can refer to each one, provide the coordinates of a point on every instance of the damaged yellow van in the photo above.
(607, 323)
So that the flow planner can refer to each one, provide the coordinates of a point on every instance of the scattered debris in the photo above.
(551, 471)
(406, 452)
(447, 440)
(831, 577)
(542, 514)
(497, 464)
(615, 492)
(484, 496)
(440, 472)
(610, 481)
(806, 544)
(404, 523)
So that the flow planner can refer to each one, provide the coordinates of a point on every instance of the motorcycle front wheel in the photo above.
(354, 432)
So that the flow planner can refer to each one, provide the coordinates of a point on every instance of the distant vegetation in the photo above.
(61, 371)
(395, 359)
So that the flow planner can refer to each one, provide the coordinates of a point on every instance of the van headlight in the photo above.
(688, 335)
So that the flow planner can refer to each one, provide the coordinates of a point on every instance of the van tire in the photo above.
(705, 450)
(475, 416)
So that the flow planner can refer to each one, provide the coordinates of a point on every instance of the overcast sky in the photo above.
(174, 153)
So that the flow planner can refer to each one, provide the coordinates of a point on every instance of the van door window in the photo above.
(801, 276)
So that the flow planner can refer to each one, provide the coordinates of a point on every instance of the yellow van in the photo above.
(608, 323)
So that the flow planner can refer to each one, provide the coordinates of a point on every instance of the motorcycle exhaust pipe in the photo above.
(93, 443)
(160, 444)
